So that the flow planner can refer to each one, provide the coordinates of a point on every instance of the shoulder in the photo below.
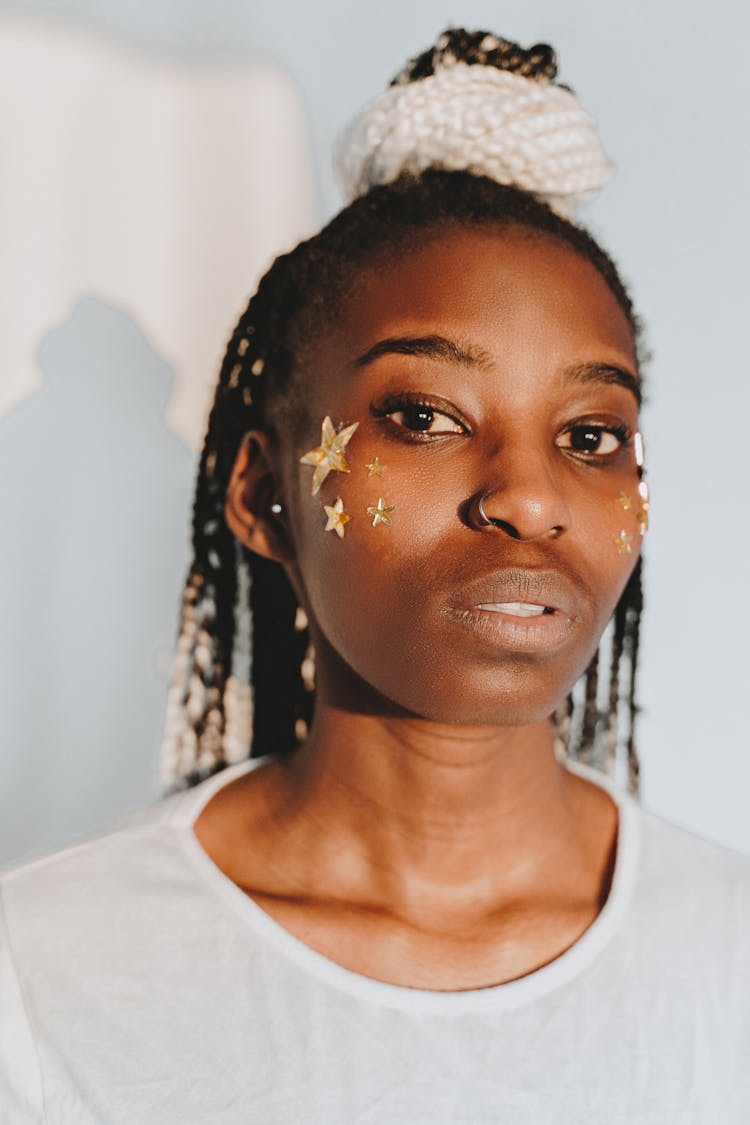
(50, 903)
(672, 855)
(93, 895)
(691, 900)
(91, 919)
(67, 867)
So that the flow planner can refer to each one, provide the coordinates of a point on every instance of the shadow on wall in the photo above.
(148, 194)
(95, 547)
(160, 184)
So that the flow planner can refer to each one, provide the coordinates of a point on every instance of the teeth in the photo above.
(517, 609)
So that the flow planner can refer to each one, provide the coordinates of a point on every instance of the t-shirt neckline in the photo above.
(500, 997)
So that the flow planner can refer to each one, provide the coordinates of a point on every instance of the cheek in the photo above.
(611, 525)
(369, 590)
(371, 529)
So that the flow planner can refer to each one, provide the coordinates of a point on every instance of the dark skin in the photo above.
(426, 834)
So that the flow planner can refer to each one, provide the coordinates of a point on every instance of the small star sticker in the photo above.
(329, 455)
(622, 542)
(375, 469)
(625, 501)
(643, 510)
(380, 513)
(337, 517)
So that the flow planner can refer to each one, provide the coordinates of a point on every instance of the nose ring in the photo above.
(484, 519)
(510, 529)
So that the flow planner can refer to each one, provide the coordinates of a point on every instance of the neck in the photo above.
(417, 811)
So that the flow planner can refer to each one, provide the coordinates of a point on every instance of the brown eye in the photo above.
(591, 440)
(423, 419)
(422, 415)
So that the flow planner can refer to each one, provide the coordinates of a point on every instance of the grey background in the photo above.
(669, 84)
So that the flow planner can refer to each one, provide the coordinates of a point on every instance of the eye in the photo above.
(593, 439)
(420, 415)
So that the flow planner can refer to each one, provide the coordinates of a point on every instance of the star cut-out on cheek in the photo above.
(337, 517)
(624, 501)
(622, 542)
(642, 512)
(375, 469)
(381, 512)
(329, 455)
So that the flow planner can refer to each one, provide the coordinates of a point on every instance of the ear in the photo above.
(251, 491)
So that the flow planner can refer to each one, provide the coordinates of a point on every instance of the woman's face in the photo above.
(481, 362)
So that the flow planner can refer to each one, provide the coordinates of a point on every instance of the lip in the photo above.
(547, 588)
(519, 634)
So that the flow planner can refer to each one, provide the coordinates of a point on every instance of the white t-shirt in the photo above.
(139, 985)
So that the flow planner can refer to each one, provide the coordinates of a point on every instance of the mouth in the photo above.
(521, 592)
(521, 610)
(516, 609)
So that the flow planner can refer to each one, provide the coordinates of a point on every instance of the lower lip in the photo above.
(545, 632)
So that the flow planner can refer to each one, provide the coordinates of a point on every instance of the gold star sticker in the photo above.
(625, 501)
(622, 542)
(375, 469)
(380, 513)
(645, 505)
(329, 455)
(337, 517)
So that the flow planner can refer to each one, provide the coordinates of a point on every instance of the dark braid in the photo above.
(633, 600)
(482, 48)
(224, 705)
(590, 722)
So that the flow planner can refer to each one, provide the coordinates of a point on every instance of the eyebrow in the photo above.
(441, 348)
(605, 373)
(427, 347)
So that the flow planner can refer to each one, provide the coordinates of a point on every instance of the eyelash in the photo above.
(621, 432)
(397, 404)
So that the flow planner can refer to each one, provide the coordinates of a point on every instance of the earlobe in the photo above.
(251, 506)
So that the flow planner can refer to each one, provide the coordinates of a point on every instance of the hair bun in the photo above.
(481, 104)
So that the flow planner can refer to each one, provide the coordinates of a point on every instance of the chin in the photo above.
(494, 701)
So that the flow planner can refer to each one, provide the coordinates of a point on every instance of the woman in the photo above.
(423, 475)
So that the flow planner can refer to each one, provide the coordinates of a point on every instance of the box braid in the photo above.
(234, 694)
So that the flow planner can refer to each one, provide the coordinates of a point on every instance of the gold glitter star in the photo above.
(645, 505)
(622, 542)
(329, 455)
(380, 513)
(375, 469)
(337, 517)
(625, 501)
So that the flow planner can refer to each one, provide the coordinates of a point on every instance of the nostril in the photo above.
(508, 528)
(531, 525)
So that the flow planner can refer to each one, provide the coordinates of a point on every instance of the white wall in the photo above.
(669, 83)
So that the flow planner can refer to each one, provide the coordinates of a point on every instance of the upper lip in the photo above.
(549, 588)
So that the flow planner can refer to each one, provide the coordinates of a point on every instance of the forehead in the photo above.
(511, 292)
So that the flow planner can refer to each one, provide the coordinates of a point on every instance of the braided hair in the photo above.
(243, 682)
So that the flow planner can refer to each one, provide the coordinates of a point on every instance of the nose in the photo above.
(523, 497)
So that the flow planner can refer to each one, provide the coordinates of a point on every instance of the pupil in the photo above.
(419, 417)
(586, 440)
